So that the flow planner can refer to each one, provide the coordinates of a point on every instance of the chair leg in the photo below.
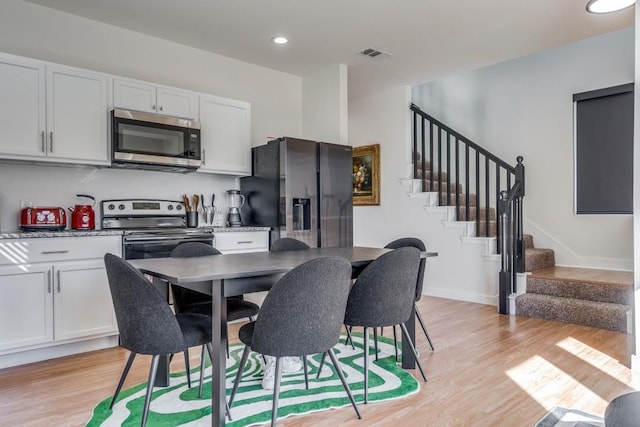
(324, 356)
(424, 328)
(202, 365)
(306, 372)
(276, 391)
(349, 337)
(375, 341)
(123, 377)
(413, 348)
(243, 361)
(366, 365)
(186, 365)
(152, 378)
(226, 404)
(395, 342)
(338, 368)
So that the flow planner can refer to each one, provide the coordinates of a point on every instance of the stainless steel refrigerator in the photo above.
(301, 189)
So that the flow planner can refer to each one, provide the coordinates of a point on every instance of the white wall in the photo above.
(524, 107)
(324, 110)
(42, 33)
(635, 361)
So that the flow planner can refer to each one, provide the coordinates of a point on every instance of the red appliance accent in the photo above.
(83, 217)
(38, 218)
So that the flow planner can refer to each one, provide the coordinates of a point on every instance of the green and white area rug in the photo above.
(178, 405)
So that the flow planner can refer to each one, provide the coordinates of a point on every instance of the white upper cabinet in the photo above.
(225, 135)
(52, 113)
(77, 116)
(143, 96)
(22, 107)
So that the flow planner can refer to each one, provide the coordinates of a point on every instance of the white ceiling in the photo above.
(427, 39)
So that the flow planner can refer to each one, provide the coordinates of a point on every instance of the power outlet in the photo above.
(25, 203)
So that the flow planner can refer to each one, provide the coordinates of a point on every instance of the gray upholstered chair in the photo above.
(147, 325)
(288, 244)
(416, 243)
(384, 295)
(301, 315)
(189, 301)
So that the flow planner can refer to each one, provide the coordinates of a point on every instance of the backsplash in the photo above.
(52, 185)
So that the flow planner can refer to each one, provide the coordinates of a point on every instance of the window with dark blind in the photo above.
(604, 150)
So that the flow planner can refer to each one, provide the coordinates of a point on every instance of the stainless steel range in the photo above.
(152, 228)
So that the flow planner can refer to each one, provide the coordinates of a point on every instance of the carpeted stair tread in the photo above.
(528, 240)
(536, 258)
(473, 213)
(622, 279)
(603, 292)
(452, 199)
(569, 310)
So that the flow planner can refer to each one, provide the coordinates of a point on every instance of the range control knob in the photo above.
(121, 206)
(179, 207)
(170, 207)
(111, 206)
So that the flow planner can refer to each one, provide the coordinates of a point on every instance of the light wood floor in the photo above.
(487, 370)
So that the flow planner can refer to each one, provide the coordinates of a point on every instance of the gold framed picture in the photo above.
(366, 175)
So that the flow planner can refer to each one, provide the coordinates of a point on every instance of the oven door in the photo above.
(142, 138)
(151, 246)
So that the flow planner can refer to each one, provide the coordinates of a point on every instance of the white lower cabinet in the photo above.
(235, 242)
(26, 306)
(58, 300)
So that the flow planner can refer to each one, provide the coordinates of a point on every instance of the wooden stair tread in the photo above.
(623, 279)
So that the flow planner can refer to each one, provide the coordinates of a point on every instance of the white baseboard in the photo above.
(461, 296)
(55, 351)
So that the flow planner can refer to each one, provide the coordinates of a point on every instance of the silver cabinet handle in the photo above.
(204, 156)
(49, 281)
(42, 147)
(245, 241)
(51, 142)
(58, 274)
(55, 252)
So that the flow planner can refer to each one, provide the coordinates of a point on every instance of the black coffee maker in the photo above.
(235, 201)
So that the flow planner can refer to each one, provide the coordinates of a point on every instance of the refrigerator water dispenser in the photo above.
(301, 214)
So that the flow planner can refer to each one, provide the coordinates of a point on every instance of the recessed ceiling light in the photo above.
(279, 40)
(606, 6)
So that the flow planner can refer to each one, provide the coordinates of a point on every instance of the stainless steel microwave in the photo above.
(149, 141)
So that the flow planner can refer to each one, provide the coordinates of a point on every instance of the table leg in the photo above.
(219, 359)
(162, 374)
(408, 360)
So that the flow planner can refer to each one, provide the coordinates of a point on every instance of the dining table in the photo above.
(227, 275)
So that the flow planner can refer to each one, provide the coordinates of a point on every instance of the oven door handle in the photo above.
(165, 240)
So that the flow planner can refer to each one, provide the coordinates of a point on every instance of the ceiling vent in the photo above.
(375, 53)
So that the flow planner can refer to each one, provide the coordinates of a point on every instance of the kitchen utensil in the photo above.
(37, 218)
(202, 203)
(83, 217)
(209, 214)
(187, 205)
(213, 199)
(196, 202)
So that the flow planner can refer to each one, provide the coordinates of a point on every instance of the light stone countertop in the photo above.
(88, 233)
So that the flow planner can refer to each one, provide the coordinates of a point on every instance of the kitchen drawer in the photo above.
(242, 241)
(22, 251)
